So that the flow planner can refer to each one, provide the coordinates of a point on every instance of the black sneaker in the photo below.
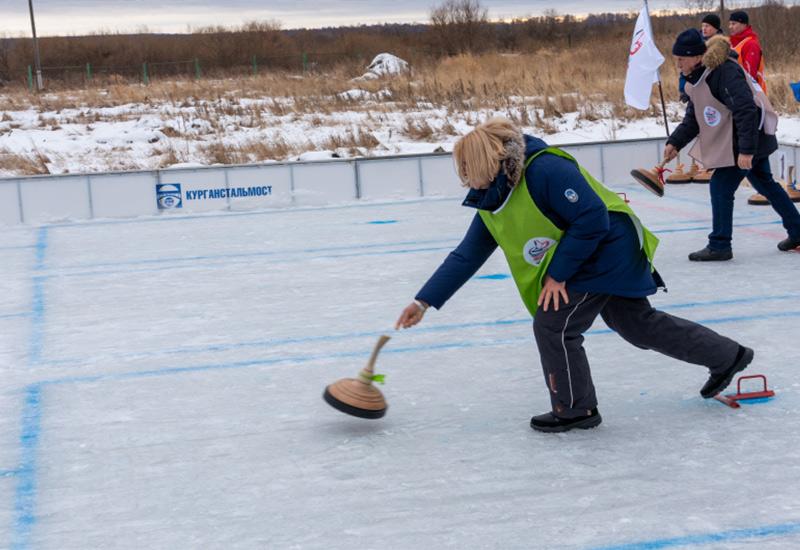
(788, 244)
(718, 382)
(708, 255)
(548, 422)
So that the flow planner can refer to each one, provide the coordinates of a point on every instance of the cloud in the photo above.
(70, 17)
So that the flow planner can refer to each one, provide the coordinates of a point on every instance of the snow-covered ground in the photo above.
(154, 135)
(162, 384)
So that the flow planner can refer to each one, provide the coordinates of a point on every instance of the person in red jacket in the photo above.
(744, 41)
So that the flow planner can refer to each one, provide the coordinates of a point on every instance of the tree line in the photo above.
(455, 27)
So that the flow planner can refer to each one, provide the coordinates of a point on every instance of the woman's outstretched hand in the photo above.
(552, 290)
(411, 315)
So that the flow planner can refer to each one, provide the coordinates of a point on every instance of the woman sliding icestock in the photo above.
(576, 250)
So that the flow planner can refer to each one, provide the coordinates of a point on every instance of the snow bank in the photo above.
(384, 64)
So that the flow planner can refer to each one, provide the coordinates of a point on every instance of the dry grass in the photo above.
(557, 81)
(351, 139)
(33, 164)
(536, 82)
(220, 152)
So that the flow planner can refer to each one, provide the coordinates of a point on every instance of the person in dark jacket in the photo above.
(710, 25)
(734, 124)
(576, 250)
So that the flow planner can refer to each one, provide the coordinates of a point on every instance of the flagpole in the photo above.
(658, 72)
(663, 108)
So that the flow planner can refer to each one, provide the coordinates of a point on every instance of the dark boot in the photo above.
(718, 382)
(548, 422)
(788, 244)
(708, 255)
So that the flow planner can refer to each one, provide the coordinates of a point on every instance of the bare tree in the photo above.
(701, 5)
(6, 45)
(459, 25)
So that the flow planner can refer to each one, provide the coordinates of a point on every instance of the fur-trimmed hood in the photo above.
(718, 50)
(514, 160)
(512, 166)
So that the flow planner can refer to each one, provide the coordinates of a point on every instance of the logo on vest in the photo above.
(712, 116)
(535, 250)
(571, 195)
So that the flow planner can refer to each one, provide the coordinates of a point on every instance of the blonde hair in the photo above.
(478, 154)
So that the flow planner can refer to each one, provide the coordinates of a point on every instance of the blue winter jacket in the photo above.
(599, 251)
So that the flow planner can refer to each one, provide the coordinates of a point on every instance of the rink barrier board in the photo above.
(47, 199)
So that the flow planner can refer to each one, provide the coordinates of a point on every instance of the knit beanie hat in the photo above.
(740, 17)
(689, 43)
(713, 20)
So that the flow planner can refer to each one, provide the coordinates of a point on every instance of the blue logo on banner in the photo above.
(168, 196)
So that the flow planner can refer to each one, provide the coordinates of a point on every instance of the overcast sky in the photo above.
(66, 17)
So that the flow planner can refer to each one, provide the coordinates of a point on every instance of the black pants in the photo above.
(559, 335)
(723, 186)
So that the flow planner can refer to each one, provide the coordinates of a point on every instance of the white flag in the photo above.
(643, 63)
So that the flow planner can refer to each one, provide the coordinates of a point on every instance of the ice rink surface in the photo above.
(162, 382)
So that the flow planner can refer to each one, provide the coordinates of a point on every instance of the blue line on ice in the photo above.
(26, 482)
(247, 258)
(419, 330)
(765, 531)
(706, 228)
(272, 212)
(15, 315)
(25, 493)
(315, 251)
(37, 302)
(41, 248)
(290, 259)
(465, 344)
(37, 321)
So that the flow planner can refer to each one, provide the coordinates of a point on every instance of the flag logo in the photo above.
(638, 42)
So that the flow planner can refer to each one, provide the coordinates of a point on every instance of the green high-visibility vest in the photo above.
(529, 239)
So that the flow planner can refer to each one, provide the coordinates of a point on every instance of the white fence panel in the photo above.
(389, 179)
(620, 158)
(780, 161)
(321, 183)
(123, 195)
(42, 199)
(588, 156)
(260, 187)
(439, 177)
(796, 162)
(55, 199)
(9, 203)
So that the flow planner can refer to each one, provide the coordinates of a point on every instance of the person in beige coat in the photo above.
(734, 124)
